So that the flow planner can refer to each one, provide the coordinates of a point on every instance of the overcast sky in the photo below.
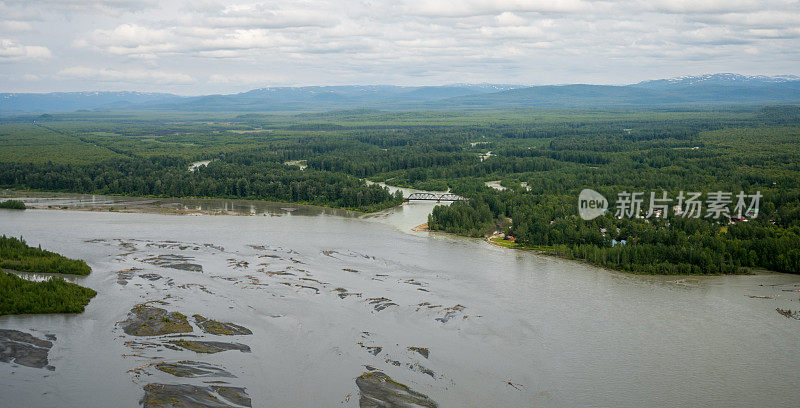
(198, 46)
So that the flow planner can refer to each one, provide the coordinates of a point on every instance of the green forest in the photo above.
(12, 205)
(55, 295)
(17, 255)
(21, 296)
(542, 158)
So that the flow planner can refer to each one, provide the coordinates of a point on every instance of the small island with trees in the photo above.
(55, 295)
(12, 205)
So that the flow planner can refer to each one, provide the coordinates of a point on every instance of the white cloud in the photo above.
(236, 42)
(466, 8)
(88, 5)
(129, 76)
(508, 18)
(131, 40)
(263, 15)
(241, 39)
(527, 32)
(706, 6)
(130, 35)
(410, 29)
(11, 51)
(775, 33)
(246, 79)
(15, 26)
(761, 18)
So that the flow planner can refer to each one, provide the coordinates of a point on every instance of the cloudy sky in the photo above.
(200, 46)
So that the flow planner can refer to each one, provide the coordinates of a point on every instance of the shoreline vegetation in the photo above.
(160, 205)
(142, 200)
(17, 255)
(495, 239)
(680, 246)
(242, 177)
(500, 241)
(12, 205)
(54, 295)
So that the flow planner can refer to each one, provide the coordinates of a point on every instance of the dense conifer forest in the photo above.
(16, 254)
(55, 295)
(542, 159)
(21, 296)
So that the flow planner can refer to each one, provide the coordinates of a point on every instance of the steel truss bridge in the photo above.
(435, 197)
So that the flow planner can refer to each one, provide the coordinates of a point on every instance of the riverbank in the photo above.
(166, 205)
(131, 203)
(499, 240)
(405, 217)
(421, 227)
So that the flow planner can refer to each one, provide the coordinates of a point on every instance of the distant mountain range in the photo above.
(711, 89)
(72, 101)
(719, 79)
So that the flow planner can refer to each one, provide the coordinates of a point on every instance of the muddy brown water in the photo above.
(327, 292)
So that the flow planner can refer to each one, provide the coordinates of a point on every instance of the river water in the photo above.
(504, 328)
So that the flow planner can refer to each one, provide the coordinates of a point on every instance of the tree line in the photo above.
(17, 255)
